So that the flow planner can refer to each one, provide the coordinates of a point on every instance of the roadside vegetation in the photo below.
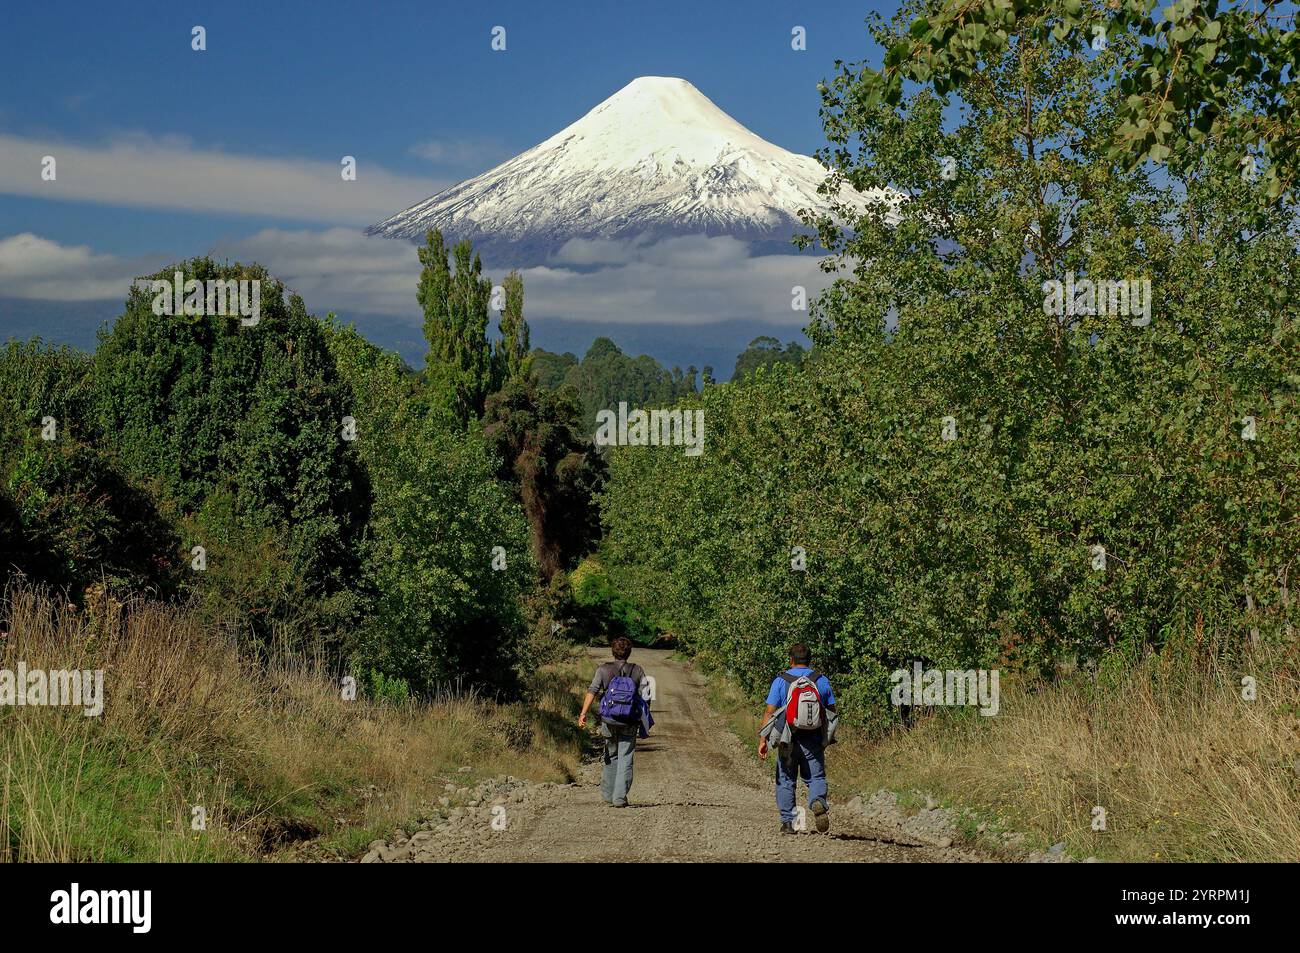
(267, 761)
(1167, 755)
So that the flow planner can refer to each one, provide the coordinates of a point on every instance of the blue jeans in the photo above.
(807, 762)
(616, 776)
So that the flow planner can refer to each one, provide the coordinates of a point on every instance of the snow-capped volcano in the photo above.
(656, 159)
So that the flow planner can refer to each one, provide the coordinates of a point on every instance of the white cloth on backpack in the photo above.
(780, 735)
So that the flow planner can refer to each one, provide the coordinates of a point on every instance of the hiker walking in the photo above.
(621, 687)
(799, 723)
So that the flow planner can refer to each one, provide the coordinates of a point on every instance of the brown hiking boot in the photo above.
(821, 815)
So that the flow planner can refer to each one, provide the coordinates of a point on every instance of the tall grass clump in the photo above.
(269, 751)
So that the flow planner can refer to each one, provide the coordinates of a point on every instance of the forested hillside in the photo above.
(765, 351)
(605, 376)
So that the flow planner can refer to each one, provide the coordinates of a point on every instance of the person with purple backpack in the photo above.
(622, 687)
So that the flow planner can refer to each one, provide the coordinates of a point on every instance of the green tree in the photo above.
(539, 437)
(1202, 74)
(606, 376)
(69, 518)
(443, 614)
(240, 429)
(68, 515)
(512, 359)
(764, 351)
(455, 305)
(550, 369)
(39, 380)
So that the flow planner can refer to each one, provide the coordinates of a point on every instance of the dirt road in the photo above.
(696, 796)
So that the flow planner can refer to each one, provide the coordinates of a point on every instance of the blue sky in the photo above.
(165, 152)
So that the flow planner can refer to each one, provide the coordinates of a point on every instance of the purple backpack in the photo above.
(618, 704)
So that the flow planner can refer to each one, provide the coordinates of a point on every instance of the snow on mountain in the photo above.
(656, 159)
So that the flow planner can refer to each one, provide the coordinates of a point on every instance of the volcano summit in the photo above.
(657, 159)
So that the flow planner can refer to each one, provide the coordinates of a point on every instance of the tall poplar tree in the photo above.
(512, 359)
(455, 304)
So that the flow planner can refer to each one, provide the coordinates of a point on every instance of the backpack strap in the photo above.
(812, 676)
(614, 672)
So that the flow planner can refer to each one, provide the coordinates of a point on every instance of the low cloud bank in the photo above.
(682, 281)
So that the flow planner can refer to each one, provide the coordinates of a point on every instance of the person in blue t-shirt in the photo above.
(807, 747)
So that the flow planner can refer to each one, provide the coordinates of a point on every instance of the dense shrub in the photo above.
(68, 515)
(241, 428)
(601, 611)
(442, 615)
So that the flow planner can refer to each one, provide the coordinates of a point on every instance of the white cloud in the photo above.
(168, 172)
(336, 269)
(689, 280)
(679, 281)
(682, 281)
(34, 267)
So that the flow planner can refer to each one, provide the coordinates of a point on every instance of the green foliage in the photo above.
(240, 428)
(441, 614)
(537, 435)
(603, 610)
(605, 376)
(381, 688)
(68, 515)
(343, 507)
(764, 351)
(1071, 431)
(455, 304)
(38, 381)
(550, 369)
(512, 360)
(1201, 73)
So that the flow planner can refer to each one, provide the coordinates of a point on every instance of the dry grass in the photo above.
(1185, 768)
(274, 754)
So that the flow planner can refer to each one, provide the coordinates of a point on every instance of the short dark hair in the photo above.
(621, 647)
(799, 654)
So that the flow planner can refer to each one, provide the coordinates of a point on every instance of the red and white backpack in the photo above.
(803, 703)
